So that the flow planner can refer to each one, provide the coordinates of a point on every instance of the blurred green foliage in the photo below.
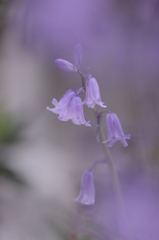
(9, 130)
(3, 12)
(9, 134)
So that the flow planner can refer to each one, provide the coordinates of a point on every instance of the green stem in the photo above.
(107, 154)
(115, 179)
(112, 167)
(113, 171)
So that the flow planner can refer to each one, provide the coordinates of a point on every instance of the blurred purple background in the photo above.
(120, 41)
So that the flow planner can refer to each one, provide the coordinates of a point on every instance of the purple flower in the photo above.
(87, 192)
(69, 107)
(69, 67)
(115, 131)
(63, 106)
(77, 112)
(93, 93)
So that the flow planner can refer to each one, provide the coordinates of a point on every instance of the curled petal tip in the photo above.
(128, 136)
(84, 202)
(48, 108)
(102, 105)
(88, 124)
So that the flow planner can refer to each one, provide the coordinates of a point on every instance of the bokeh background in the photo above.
(41, 158)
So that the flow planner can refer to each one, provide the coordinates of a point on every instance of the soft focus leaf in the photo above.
(8, 173)
(9, 131)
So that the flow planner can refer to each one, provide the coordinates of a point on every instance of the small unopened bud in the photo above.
(65, 65)
(87, 192)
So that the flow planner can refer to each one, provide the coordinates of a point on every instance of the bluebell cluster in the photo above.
(70, 107)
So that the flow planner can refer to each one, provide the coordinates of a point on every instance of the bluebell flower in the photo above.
(87, 192)
(77, 115)
(70, 107)
(63, 106)
(115, 131)
(93, 93)
(69, 67)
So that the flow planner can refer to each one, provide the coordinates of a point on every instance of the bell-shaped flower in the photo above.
(78, 55)
(77, 115)
(87, 192)
(69, 67)
(93, 93)
(115, 131)
(65, 65)
(63, 106)
(70, 107)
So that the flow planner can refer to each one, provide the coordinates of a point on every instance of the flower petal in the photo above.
(77, 112)
(63, 106)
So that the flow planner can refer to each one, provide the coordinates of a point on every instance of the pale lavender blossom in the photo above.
(115, 131)
(69, 67)
(93, 93)
(70, 107)
(63, 106)
(77, 112)
(87, 192)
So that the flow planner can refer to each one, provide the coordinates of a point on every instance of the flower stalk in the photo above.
(70, 107)
(115, 179)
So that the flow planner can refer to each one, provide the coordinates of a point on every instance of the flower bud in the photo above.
(87, 192)
(65, 65)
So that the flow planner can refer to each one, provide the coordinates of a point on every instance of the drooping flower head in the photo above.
(115, 131)
(93, 93)
(69, 67)
(63, 106)
(77, 112)
(87, 192)
(70, 107)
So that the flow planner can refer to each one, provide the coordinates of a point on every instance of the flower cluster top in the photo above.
(70, 106)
